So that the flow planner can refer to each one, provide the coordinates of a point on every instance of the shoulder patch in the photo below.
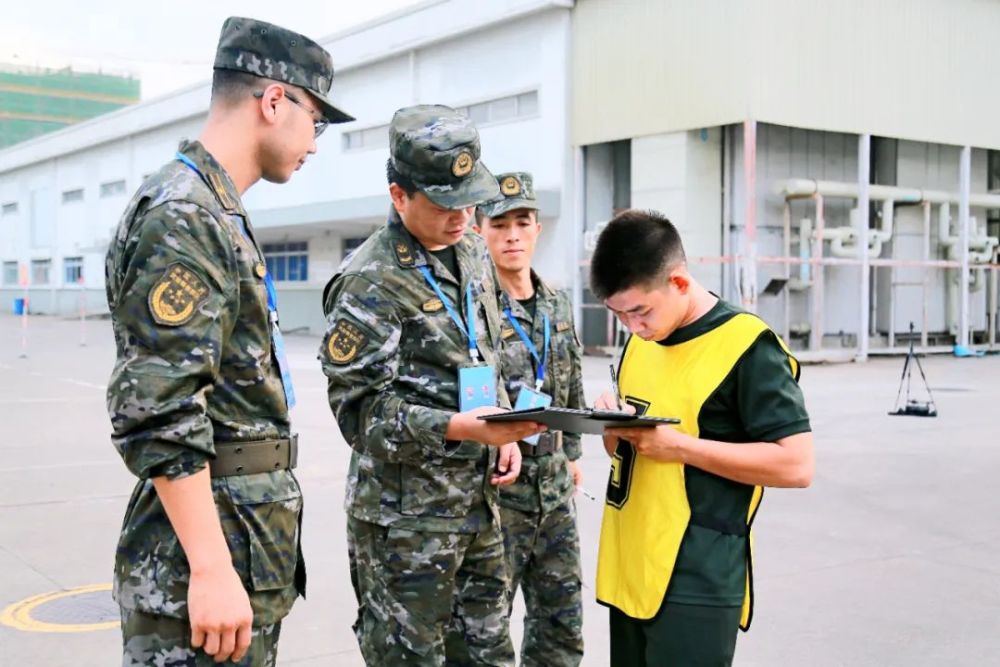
(563, 326)
(176, 296)
(346, 340)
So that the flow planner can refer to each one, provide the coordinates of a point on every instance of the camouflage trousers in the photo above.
(427, 598)
(543, 555)
(166, 642)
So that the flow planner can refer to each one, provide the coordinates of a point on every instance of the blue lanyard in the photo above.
(277, 340)
(541, 362)
(186, 160)
(272, 294)
(471, 331)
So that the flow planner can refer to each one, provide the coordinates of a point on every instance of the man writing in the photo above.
(674, 562)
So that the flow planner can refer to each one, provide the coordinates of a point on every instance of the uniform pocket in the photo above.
(266, 511)
(440, 488)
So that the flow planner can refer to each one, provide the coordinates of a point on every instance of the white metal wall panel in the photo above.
(914, 69)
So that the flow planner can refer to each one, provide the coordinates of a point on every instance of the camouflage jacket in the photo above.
(545, 481)
(391, 355)
(195, 367)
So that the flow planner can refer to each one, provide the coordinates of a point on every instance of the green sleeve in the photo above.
(360, 357)
(166, 366)
(770, 402)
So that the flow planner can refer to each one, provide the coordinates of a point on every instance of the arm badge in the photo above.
(176, 296)
(346, 340)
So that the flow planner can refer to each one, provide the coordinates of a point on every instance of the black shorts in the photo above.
(679, 634)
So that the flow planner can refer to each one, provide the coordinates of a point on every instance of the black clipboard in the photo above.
(579, 421)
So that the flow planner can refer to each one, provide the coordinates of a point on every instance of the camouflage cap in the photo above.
(516, 191)
(438, 149)
(272, 52)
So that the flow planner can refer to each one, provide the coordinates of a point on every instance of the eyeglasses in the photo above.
(319, 126)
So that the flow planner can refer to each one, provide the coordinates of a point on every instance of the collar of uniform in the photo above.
(717, 315)
(541, 287)
(216, 177)
(543, 293)
(410, 253)
(405, 247)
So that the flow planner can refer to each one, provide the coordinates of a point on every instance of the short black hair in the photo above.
(229, 86)
(393, 176)
(634, 249)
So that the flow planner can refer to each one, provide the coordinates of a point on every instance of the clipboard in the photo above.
(579, 421)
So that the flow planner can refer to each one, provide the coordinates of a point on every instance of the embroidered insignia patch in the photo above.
(432, 306)
(462, 165)
(403, 254)
(510, 187)
(175, 297)
(345, 342)
(562, 326)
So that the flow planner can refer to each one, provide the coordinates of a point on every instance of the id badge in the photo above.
(477, 387)
(527, 399)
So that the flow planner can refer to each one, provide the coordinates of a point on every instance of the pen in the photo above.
(614, 385)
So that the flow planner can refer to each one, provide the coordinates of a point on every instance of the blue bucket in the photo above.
(20, 305)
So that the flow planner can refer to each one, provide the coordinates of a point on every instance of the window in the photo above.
(502, 109)
(113, 188)
(287, 261)
(70, 196)
(40, 271)
(73, 270)
(9, 208)
(369, 137)
(10, 273)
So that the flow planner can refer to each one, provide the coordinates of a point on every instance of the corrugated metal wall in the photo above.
(914, 69)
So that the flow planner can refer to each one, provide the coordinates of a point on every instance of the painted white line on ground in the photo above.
(81, 383)
(72, 399)
(57, 466)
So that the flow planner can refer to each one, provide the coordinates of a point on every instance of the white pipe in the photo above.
(805, 238)
(806, 187)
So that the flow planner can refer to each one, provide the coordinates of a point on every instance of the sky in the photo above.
(168, 45)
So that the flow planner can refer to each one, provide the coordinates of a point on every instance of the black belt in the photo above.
(254, 456)
(548, 442)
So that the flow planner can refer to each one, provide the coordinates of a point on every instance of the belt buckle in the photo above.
(293, 450)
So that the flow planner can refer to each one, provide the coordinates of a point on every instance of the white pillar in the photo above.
(577, 218)
(748, 281)
(864, 166)
(964, 176)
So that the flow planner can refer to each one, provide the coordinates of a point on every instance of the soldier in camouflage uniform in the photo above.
(424, 536)
(208, 562)
(538, 510)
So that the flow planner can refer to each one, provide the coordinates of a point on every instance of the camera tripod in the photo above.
(911, 407)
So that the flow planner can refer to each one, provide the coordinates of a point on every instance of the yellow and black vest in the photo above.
(647, 510)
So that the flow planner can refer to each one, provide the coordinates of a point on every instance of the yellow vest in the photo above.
(647, 512)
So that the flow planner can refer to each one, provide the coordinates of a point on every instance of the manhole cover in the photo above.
(82, 609)
(92, 607)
